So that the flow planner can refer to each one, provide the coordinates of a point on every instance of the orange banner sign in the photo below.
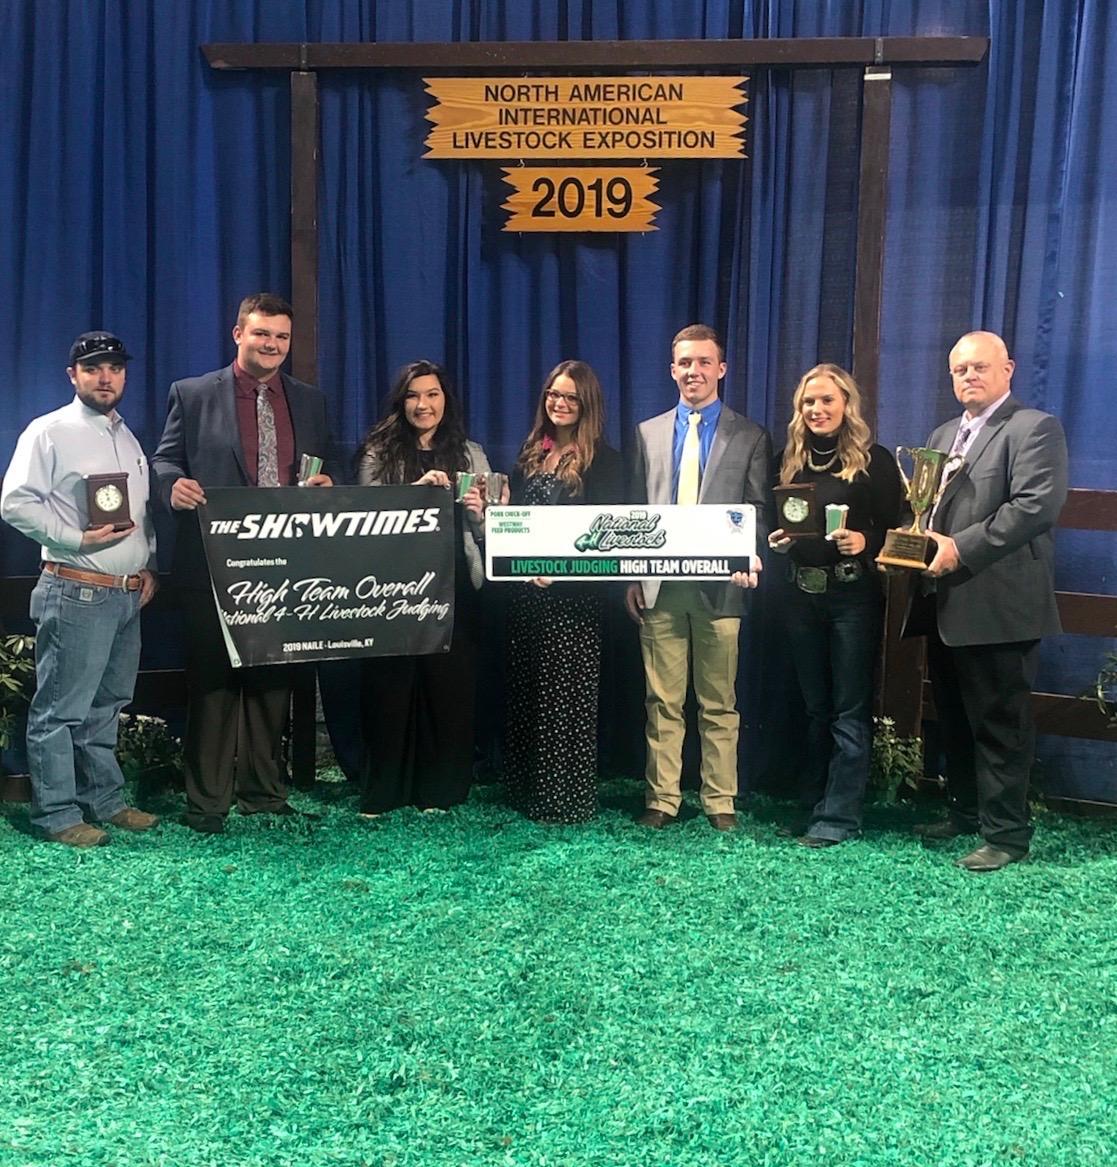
(586, 117)
(580, 198)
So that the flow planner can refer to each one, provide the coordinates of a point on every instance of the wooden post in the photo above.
(304, 225)
(872, 207)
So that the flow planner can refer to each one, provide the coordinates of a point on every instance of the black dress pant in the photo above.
(418, 720)
(234, 722)
(983, 694)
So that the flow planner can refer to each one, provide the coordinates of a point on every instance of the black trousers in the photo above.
(417, 715)
(983, 694)
(234, 722)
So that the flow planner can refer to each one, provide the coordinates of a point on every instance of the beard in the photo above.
(101, 405)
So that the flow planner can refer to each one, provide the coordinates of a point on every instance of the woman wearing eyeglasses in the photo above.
(834, 600)
(554, 627)
(418, 710)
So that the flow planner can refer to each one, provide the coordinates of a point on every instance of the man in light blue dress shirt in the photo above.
(86, 604)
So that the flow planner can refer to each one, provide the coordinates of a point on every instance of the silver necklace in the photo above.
(816, 467)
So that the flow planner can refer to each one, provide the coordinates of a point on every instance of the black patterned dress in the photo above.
(554, 665)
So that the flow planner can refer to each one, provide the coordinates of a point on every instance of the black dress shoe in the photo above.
(942, 830)
(989, 858)
(794, 829)
(283, 810)
(204, 824)
(815, 842)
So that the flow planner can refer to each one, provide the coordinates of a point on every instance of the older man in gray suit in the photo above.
(991, 598)
(698, 452)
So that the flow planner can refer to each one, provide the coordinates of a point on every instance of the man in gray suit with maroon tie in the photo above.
(244, 425)
(990, 598)
(700, 451)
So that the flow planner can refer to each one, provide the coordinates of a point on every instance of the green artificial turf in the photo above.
(471, 988)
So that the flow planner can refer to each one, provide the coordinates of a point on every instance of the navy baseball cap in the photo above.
(93, 346)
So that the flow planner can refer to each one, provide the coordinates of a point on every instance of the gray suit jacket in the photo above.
(368, 474)
(739, 469)
(999, 510)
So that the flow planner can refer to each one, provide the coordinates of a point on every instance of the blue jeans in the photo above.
(87, 651)
(834, 639)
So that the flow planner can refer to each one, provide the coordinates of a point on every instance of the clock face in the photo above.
(109, 498)
(795, 510)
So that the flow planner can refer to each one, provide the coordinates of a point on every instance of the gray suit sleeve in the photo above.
(638, 484)
(1037, 489)
(758, 486)
(169, 462)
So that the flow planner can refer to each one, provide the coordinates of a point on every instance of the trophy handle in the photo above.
(900, 466)
(951, 468)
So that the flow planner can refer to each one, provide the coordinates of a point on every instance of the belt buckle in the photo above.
(847, 570)
(811, 580)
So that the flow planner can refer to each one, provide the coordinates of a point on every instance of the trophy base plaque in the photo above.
(908, 549)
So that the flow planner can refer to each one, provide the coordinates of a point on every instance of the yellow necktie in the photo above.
(689, 463)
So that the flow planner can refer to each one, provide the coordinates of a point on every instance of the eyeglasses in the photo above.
(571, 399)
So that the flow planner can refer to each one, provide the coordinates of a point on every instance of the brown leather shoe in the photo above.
(942, 830)
(80, 835)
(133, 819)
(656, 819)
(722, 822)
(989, 858)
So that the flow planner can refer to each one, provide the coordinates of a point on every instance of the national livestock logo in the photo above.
(611, 532)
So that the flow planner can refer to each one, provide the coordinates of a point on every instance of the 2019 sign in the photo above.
(580, 198)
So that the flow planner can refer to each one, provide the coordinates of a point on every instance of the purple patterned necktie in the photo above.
(267, 460)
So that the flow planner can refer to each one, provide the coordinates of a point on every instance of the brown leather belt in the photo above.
(126, 583)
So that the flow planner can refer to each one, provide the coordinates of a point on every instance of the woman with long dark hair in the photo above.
(554, 628)
(418, 710)
(834, 603)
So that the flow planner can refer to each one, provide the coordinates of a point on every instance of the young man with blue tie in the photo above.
(700, 451)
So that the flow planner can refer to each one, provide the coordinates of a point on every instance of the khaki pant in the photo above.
(678, 630)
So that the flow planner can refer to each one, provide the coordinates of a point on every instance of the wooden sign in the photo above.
(580, 198)
(586, 117)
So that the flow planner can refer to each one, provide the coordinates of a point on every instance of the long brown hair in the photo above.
(853, 437)
(587, 430)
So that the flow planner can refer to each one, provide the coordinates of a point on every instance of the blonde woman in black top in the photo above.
(834, 600)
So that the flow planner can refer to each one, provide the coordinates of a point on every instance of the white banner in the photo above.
(708, 542)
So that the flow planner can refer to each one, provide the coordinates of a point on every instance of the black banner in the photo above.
(313, 573)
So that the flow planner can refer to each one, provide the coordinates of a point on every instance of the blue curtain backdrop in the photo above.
(144, 192)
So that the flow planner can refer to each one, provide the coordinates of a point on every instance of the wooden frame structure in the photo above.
(876, 56)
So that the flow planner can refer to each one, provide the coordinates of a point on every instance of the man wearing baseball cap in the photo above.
(78, 485)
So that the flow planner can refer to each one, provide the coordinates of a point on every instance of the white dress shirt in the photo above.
(44, 494)
(974, 425)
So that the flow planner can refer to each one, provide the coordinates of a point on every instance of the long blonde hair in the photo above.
(587, 430)
(853, 437)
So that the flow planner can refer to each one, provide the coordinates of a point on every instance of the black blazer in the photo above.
(602, 484)
(201, 440)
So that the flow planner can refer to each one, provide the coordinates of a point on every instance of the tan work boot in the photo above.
(79, 835)
(132, 819)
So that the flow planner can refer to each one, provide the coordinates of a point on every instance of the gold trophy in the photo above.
(931, 472)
